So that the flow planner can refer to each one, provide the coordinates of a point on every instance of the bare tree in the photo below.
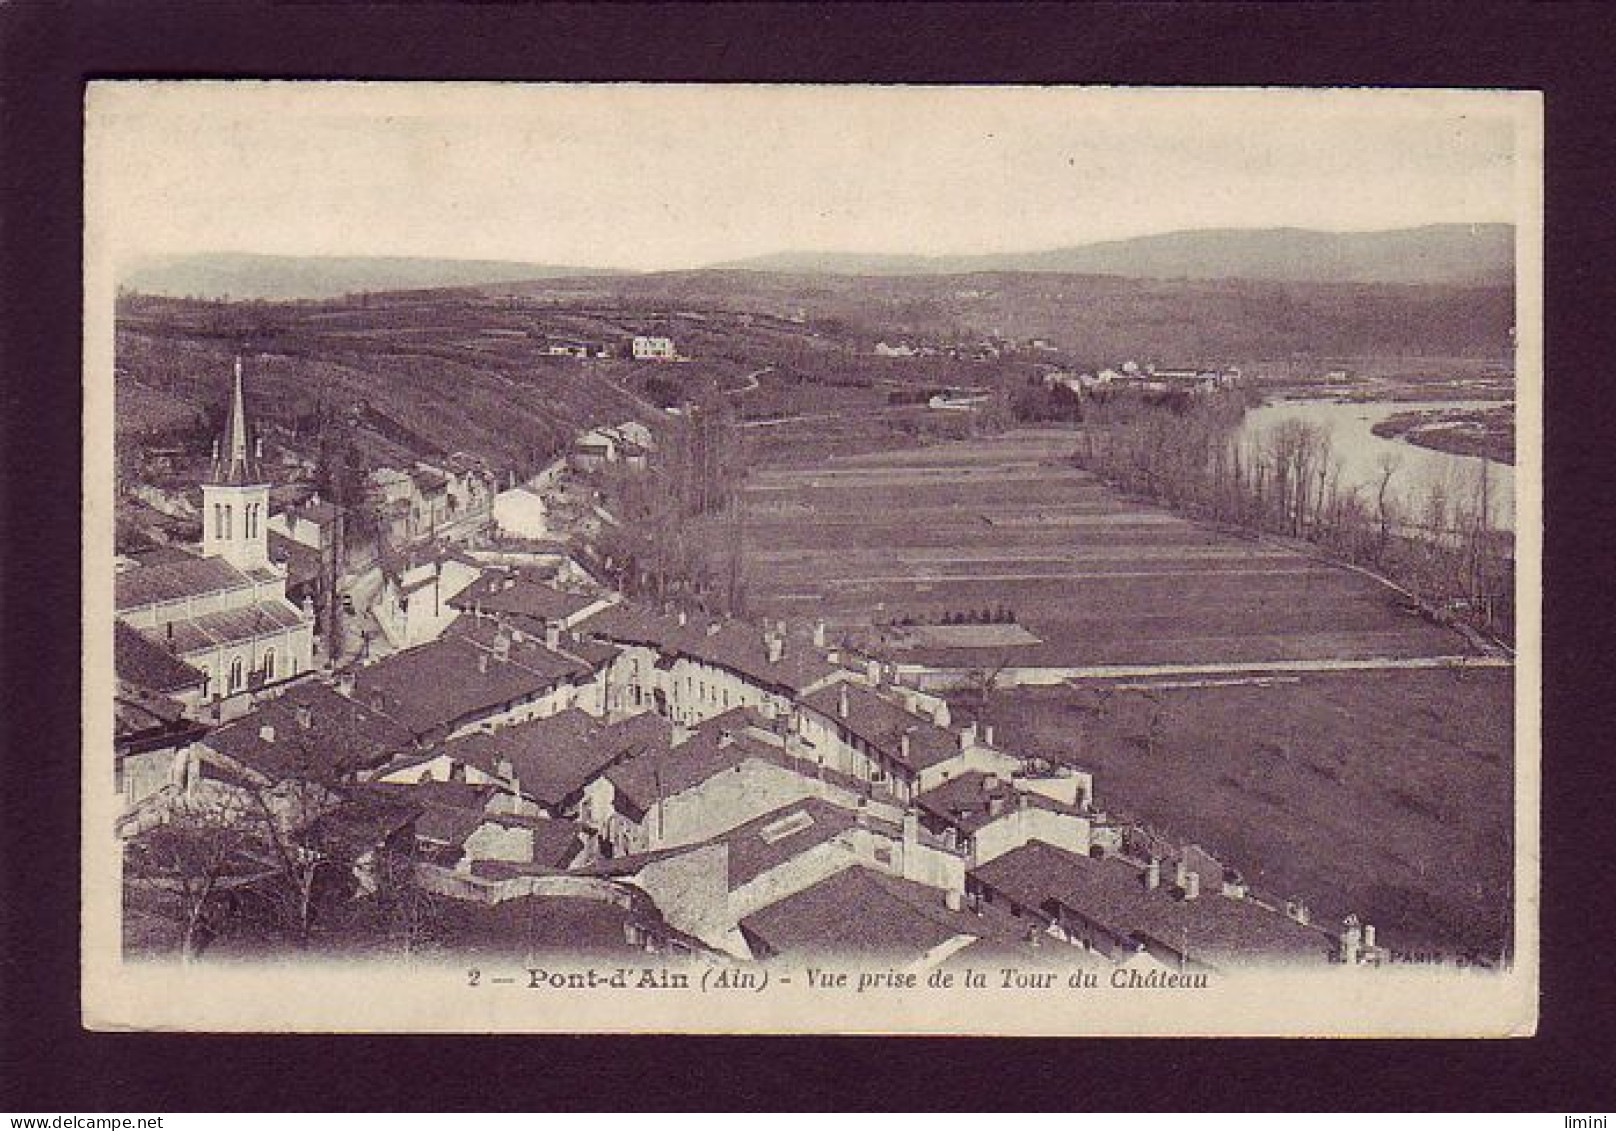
(1385, 514)
(191, 857)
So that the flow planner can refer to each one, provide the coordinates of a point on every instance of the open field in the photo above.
(1006, 523)
(1388, 794)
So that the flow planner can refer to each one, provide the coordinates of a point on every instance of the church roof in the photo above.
(176, 580)
(233, 626)
(234, 463)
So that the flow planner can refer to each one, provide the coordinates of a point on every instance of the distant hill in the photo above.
(244, 276)
(1446, 254)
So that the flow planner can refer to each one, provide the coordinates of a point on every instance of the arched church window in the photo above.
(220, 529)
(229, 524)
(269, 665)
(235, 671)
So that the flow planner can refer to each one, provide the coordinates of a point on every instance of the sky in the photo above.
(636, 177)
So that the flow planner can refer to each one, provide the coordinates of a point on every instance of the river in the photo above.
(1359, 451)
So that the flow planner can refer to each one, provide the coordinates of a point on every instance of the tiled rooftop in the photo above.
(145, 663)
(342, 736)
(1214, 929)
(882, 723)
(176, 579)
(437, 685)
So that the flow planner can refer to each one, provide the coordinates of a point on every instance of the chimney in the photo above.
(1192, 886)
(872, 672)
(714, 629)
(1369, 936)
(504, 769)
(552, 635)
(502, 645)
(911, 828)
(266, 733)
(683, 619)
(903, 747)
(967, 737)
(987, 734)
(842, 708)
(482, 662)
(819, 634)
(1181, 875)
(345, 682)
(1153, 874)
(777, 647)
(305, 716)
(996, 805)
(953, 899)
(258, 447)
(940, 715)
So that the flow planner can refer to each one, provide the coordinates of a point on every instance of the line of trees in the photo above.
(681, 533)
(1437, 539)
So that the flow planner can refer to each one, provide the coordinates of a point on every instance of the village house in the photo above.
(986, 815)
(462, 825)
(477, 673)
(709, 888)
(517, 598)
(1120, 911)
(312, 733)
(854, 729)
(699, 789)
(225, 612)
(629, 444)
(646, 347)
(521, 513)
(416, 601)
(472, 485)
(152, 758)
(691, 669)
(865, 913)
(426, 501)
(311, 523)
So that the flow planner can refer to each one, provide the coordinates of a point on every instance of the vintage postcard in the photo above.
(806, 559)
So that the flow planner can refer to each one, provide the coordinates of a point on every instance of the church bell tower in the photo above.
(235, 496)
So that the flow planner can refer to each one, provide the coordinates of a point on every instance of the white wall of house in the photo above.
(414, 608)
(495, 841)
(521, 513)
(972, 758)
(1019, 825)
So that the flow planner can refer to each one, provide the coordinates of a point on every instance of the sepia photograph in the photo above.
(810, 559)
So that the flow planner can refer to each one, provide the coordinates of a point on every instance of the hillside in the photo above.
(1459, 254)
(274, 277)
(430, 372)
(1097, 319)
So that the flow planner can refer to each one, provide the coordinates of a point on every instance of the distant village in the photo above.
(473, 741)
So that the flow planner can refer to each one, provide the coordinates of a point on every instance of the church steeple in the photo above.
(235, 498)
(235, 464)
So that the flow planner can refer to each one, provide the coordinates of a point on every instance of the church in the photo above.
(223, 610)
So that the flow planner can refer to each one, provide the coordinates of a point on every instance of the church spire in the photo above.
(234, 461)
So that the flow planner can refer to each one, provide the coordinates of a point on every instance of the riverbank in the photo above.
(1488, 433)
